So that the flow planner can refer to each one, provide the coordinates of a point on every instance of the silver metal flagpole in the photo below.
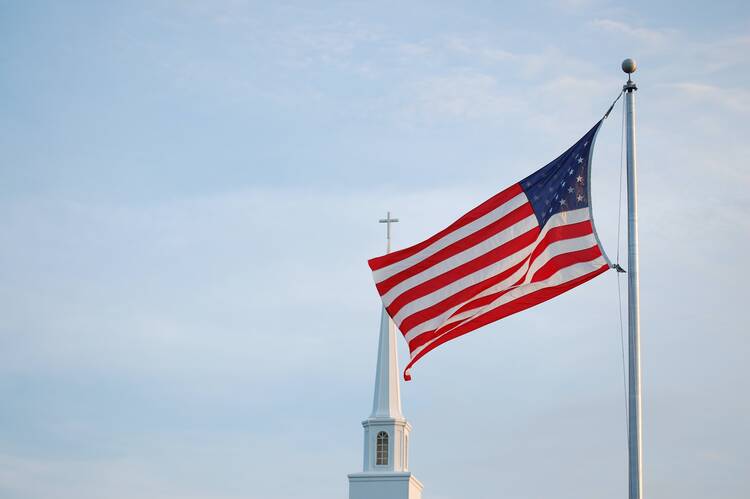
(634, 324)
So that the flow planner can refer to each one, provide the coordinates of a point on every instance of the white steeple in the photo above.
(385, 470)
(387, 400)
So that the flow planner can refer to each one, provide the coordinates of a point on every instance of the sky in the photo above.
(189, 192)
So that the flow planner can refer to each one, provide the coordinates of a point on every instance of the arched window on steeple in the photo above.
(381, 449)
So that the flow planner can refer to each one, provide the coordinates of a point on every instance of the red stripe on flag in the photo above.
(567, 231)
(466, 293)
(493, 256)
(515, 216)
(553, 235)
(555, 264)
(505, 310)
(476, 213)
(565, 260)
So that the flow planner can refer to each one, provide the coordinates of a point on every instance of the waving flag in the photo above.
(523, 246)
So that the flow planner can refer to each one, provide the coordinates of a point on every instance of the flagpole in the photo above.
(635, 474)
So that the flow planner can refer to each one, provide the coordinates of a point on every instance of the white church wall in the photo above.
(384, 486)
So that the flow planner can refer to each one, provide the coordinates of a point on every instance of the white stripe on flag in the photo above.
(450, 238)
(562, 276)
(459, 284)
(551, 251)
(463, 257)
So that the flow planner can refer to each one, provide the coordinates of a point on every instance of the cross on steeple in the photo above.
(388, 221)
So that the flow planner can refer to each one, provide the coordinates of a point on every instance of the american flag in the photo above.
(523, 246)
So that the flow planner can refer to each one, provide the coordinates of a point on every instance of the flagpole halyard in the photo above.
(635, 465)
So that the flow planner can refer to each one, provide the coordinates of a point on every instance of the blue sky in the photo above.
(189, 192)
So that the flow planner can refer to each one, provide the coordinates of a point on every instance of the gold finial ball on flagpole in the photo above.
(629, 66)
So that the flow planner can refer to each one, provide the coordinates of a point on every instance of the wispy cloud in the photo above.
(731, 99)
(477, 47)
(656, 38)
(574, 4)
(462, 95)
(717, 55)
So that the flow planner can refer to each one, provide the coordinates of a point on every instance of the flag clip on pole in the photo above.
(635, 472)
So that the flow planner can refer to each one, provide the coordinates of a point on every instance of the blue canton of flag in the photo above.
(562, 185)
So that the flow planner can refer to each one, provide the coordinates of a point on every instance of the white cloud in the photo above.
(575, 4)
(737, 100)
(477, 47)
(461, 95)
(718, 55)
(654, 38)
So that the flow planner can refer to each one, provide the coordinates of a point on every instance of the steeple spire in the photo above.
(386, 402)
(385, 464)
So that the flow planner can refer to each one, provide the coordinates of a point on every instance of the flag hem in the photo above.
(588, 192)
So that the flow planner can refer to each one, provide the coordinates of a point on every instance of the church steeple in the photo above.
(386, 402)
(385, 467)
